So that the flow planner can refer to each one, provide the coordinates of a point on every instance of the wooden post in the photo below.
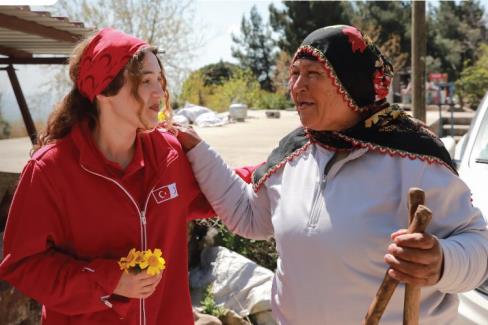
(29, 124)
(419, 46)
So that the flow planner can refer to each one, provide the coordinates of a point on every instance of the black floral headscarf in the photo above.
(359, 70)
(362, 76)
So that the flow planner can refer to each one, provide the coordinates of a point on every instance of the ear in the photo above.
(102, 99)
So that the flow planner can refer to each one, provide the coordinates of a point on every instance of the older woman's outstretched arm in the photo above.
(243, 211)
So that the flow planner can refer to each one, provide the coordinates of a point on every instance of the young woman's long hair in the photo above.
(75, 107)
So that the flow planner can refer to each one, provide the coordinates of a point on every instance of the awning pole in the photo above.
(26, 116)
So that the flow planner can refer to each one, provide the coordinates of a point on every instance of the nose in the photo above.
(298, 83)
(158, 90)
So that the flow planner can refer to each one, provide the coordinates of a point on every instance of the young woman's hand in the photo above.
(139, 286)
(415, 258)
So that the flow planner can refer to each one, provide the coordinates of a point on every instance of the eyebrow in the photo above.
(144, 72)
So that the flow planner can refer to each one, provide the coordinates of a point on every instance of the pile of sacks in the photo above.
(198, 115)
(237, 283)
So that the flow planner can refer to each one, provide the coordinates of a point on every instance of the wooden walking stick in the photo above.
(411, 304)
(419, 218)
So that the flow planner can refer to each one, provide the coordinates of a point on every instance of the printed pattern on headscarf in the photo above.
(103, 58)
(362, 76)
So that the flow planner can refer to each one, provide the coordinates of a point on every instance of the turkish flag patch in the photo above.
(165, 193)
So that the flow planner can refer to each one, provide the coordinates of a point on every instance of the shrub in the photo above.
(218, 86)
(263, 252)
(473, 83)
(208, 304)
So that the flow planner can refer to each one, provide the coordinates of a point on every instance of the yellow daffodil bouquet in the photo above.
(161, 117)
(137, 261)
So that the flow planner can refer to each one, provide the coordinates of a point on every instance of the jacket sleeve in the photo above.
(461, 228)
(246, 172)
(36, 258)
(241, 209)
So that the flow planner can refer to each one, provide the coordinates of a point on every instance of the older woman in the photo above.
(105, 180)
(334, 195)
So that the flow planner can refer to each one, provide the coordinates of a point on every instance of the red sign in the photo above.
(438, 77)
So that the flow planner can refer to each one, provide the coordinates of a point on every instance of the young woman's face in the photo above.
(151, 92)
(316, 98)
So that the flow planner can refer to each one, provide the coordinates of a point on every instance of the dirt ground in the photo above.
(240, 144)
(249, 142)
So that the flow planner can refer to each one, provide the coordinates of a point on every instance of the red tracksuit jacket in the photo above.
(73, 217)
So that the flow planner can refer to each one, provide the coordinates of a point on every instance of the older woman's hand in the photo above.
(186, 135)
(415, 258)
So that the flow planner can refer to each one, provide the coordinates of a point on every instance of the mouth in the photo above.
(154, 107)
(304, 104)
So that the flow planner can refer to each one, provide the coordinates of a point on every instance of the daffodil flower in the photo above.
(161, 116)
(154, 262)
(136, 261)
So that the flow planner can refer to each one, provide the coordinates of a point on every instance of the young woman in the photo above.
(102, 181)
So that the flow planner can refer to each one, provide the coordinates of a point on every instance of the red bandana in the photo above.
(104, 57)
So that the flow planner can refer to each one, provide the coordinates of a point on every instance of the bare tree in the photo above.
(167, 24)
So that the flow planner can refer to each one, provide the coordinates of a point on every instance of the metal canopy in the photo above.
(34, 37)
(24, 32)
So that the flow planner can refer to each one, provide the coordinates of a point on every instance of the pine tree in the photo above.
(299, 18)
(254, 48)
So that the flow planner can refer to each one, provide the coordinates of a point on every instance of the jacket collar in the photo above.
(91, 157)
(152, 150)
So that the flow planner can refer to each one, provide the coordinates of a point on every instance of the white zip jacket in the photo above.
(332, 232)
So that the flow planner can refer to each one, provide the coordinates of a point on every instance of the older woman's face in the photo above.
(317, 100)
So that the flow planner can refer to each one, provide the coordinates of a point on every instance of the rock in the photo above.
(204, 319)
(273, 114)
(232, 318)
(8, 183)
(263, 318)
(15, 307)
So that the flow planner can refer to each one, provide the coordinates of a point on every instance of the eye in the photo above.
(294, 73)
(146, 81)
(314, 74)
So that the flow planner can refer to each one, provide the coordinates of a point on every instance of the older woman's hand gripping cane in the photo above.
(419, 218)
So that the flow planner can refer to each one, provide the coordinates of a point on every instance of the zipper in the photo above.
(317, 203)
(318, 199)
(319, 195)
(143, 226)
(144, 223)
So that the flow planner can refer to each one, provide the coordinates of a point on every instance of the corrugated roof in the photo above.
(24, 32)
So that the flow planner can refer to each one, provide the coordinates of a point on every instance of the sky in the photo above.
(221, 19)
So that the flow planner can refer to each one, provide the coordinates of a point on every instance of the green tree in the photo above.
(473, 83)
(458, 30)
(202, 83)
(218, 73)
(297, 19)
(254, 48)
